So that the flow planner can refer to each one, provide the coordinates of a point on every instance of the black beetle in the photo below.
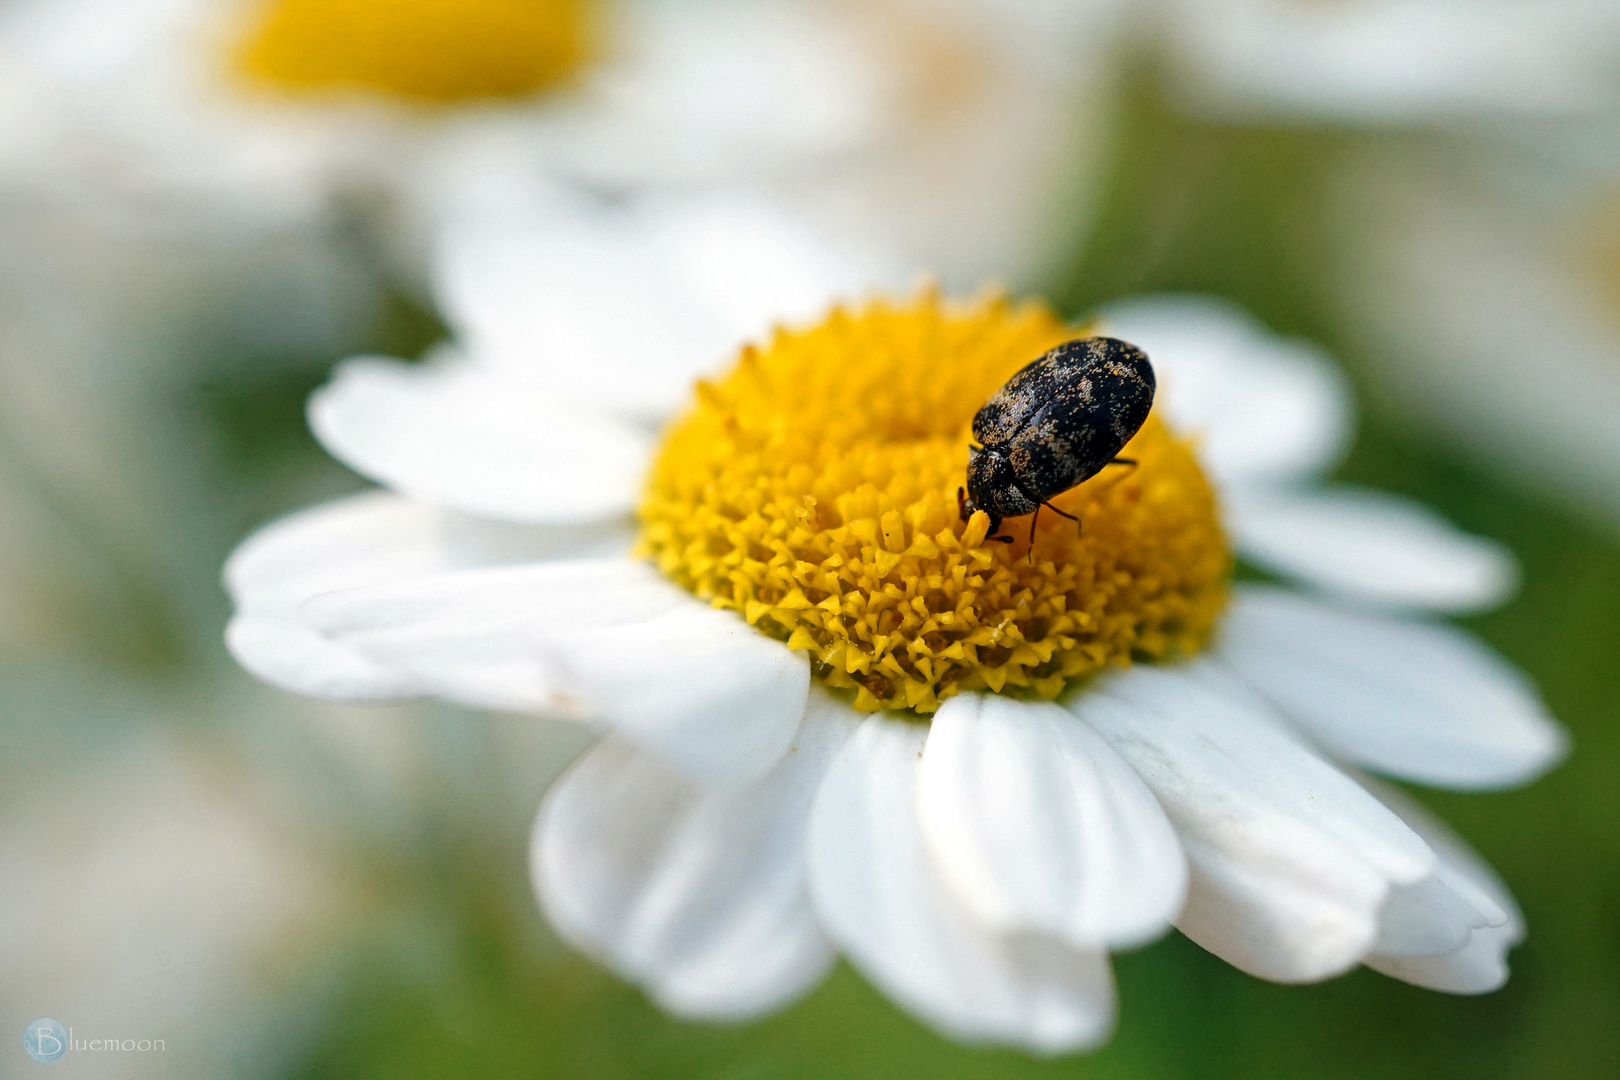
(1059, 421)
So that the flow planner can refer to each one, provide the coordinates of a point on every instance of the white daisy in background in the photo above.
(620, 306)
(1391, 61)
(157, 154)
(247, 116)
(837, 721)
(993, 174)
(1449, 245)
(982, 156)
(246, 106)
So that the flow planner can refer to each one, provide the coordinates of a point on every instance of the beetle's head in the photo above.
(978, 475)
(966, 507)
(993, 487)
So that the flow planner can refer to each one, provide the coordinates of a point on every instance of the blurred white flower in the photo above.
(1392, 61)
(991, 130)
(740, 824)
(207, 106)
(248, 116)
(619, 306)
(1483, 281)
(993, 173)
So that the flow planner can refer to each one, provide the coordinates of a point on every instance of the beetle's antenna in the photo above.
(1060, 513)
(1131, 462)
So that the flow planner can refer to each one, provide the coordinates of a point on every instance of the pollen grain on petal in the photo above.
(813, 490)
(425, 50)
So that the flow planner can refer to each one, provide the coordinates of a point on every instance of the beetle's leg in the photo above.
(1035, 517)
(961, 503)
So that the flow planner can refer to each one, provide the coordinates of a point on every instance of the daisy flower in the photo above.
(224, 117)
(837, 721)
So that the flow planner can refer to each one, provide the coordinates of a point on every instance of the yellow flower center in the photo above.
(430, 50)
(813, 489)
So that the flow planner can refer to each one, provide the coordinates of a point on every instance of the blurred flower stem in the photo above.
(1196, 206)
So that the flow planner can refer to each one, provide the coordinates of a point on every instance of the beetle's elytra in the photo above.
(1057, 422)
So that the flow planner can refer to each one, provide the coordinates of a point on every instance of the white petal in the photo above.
(454, 433)
(1452, 931)
(1290, 859)
(1428, 919)
(1372, 547)
(1036, 824)
(1477, 968)
(1264, 408)
(696, 893)
(292, 657)
(610, 638)
(1422, 701)
(353, 541)
(478, 636)
(698, 686)
(880, 901)
(623, 308)
(694, 93)
(584, 303)
(350, 541)
(360, 541)
(473, 541)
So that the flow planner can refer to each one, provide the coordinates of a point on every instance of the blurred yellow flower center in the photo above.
(813, 489)
(430, 50)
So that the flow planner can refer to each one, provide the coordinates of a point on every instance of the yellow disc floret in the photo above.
(430, 50)
(813, 489)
